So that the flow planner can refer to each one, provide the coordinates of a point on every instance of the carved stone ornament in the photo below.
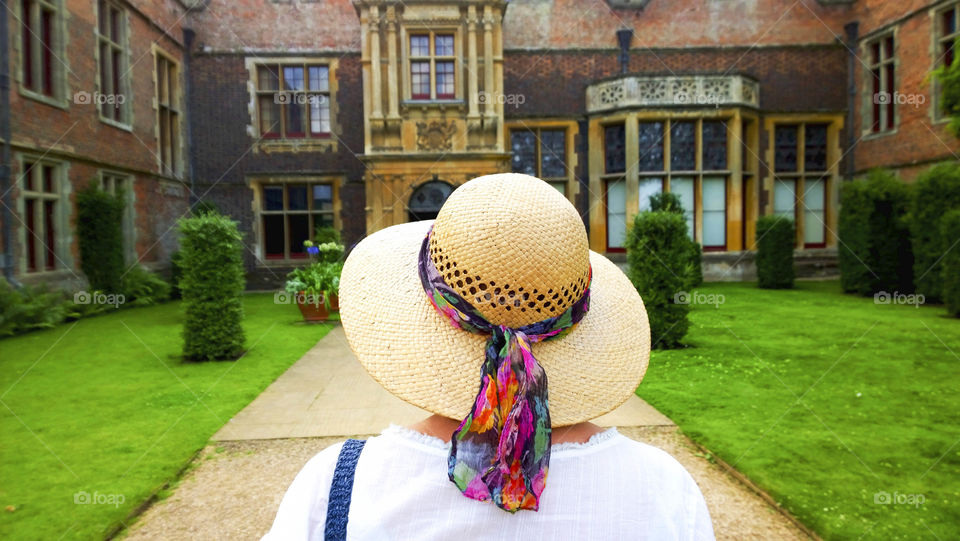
(435, 136)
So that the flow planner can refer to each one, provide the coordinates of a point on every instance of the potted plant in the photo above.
(316, 286)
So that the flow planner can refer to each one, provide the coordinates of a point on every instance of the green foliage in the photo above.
(142, 287)
(949, 79)
(874, 252)
(30, 308)
(775, 241)
(317, 281)
(176, 272)
(658, 256)
(205, 207)
(326, 233)
(212, 287)
(670, 202)
(100, 237)
(950, 266)
(936, 192)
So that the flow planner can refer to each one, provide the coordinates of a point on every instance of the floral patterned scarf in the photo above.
(501, 450)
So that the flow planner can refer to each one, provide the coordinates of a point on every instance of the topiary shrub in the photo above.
(950, 271)
(176, 271)
(670, 202)
(212, 287)
(775, 241)
(100, 237)
(936, 192)
(874, 252)
(658, 257)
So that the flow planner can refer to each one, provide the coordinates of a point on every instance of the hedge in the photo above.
(658, 257)
(211, 285)
(874, 252)
(950, 272)
(100, 237)
(936, 192)
(670, 202)
(775, 242)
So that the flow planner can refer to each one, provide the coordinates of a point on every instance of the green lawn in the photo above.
(103, 407)
(830, 402)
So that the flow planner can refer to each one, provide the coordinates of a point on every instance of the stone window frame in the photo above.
(571, 129)
(866, 110)
(737, 174)
(937, 42)
(835, 124)
(175, 101)
(256, 184)
(125, 80)
(63, 260)
(60, 67)
(415, 28)
(306, 144)
(109, 179)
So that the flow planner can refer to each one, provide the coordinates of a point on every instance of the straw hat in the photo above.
(516, 249)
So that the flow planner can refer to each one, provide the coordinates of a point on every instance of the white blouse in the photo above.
(609, 488)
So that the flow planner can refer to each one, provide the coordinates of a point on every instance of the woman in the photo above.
(500, 293)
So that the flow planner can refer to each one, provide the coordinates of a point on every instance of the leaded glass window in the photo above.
(683, 142)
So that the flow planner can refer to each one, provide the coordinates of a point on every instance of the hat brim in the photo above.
(412, 351)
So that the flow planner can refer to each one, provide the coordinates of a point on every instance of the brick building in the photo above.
(366, 113)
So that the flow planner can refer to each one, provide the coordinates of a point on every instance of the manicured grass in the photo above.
(105, 407)
(830, 402)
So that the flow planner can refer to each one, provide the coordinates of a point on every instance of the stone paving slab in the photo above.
(328, 393)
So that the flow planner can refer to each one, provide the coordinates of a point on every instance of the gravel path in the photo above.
(234, 488)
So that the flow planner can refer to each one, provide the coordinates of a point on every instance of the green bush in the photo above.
(874, 252)
(775, 241)
(936, 192)
(141, 287)
(30, 308)
(326, 233)
(949, 79)
(205, 207)
(212, 285)
(950, 271)
(176, 271)
(100, 237)
(658, 256)
(670, 202)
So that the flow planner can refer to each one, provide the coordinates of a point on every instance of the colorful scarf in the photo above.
(501, 450)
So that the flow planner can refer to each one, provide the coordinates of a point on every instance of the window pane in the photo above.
(444, 46)
(616, 213)
(26, 56)
(683, 188)
(293, 78)
(50, 241)
(714, 211)
(47, 172)
(322, 197)
(273, 198)
(296, 197)
(560, 186)
(273, 236)
(319, 114)
(269, 115)
(553, 150)
(445, 85)
(267, 78)
(115, 22)
(785, 148)
(714, 145)
(814, 203)
(949, 22)
(30, 221)
(419, 45)
(614, 149)
(299, 232)
(420, 79)
(815, 151)
(294, 119)
(784, 198)
(683, 146)
(322, 220)
(649, 186)
(651, 146)
(523, 144)
(319, 78)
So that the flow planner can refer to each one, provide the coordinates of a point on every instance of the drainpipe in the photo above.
(624, 35)
(5, 161)
(852, 31)
(188, 37)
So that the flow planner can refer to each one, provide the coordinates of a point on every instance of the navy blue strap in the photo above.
(341, 489)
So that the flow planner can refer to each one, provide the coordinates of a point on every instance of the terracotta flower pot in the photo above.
(334, 303)
(311, 311)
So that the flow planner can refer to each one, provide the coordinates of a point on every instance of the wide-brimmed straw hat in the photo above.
(515, 249)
